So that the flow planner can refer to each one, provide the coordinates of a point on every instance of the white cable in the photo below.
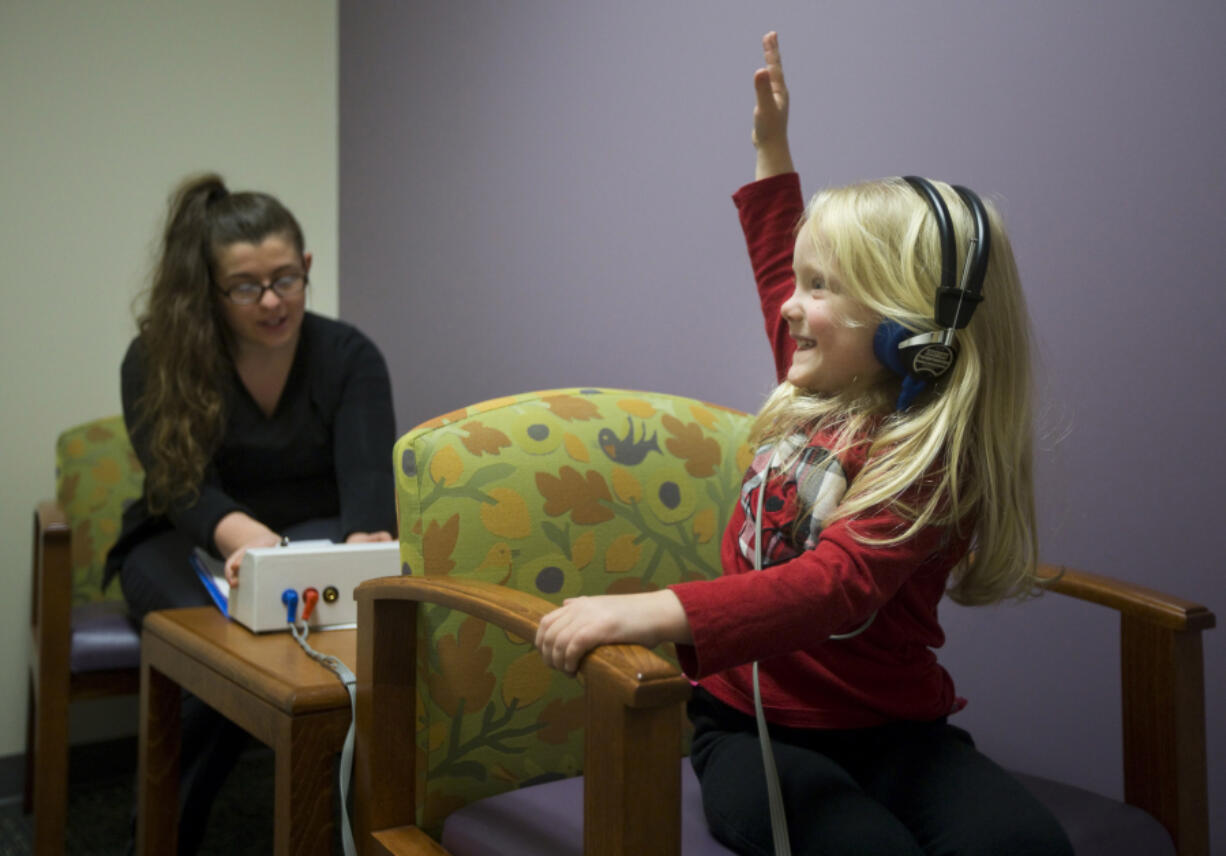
(349, 679)
(779, 822)
(839, 637)
(779, 819)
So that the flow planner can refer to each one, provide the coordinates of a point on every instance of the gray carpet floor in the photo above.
(100, 805)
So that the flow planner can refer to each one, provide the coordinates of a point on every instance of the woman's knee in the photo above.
(157, 574)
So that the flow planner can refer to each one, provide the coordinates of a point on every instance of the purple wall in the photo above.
(535, 194)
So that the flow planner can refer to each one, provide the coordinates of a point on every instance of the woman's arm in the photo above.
(364, 431)
(235, 534)
(212, 517)
(198, 517)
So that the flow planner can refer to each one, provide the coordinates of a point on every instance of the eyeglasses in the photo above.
(247, 293)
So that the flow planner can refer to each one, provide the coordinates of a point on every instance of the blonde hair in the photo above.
(963, 451)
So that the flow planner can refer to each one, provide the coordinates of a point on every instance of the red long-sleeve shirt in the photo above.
(816, 581)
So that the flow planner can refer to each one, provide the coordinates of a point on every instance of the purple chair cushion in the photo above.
(549, 819)
(1098, 825)
(103, 637)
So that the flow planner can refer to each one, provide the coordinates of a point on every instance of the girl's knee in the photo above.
(832, 821)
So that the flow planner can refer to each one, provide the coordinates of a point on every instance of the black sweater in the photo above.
(325, 452)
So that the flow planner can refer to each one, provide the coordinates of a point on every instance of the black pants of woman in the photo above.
(157, 574)
(914, 788)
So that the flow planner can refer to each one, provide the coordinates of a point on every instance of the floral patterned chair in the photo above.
(82, 644)
(511, 505)
(552, 494)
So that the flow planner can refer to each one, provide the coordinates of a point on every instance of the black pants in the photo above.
(902, 788)
(157, 574)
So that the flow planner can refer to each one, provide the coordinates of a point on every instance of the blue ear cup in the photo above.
(886, 347)
(889, 336)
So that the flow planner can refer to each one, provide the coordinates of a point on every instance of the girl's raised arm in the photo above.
(770, 113)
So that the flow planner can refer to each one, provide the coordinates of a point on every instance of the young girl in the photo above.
(868, 490)
(253, 419)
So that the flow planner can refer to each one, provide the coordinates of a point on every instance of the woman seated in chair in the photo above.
(254, 420)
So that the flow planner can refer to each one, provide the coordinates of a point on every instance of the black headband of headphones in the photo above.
(956, 304)
(923, 357)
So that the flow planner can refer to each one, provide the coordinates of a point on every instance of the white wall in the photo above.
(103, 108)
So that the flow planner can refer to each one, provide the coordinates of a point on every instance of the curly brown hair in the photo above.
(187, 343)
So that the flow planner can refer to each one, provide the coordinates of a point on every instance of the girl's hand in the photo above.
(582, 623)
(368, 537)
(770, 113)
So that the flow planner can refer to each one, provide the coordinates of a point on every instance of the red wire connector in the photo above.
(310, 597)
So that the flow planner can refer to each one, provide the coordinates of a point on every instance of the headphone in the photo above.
(924, 357)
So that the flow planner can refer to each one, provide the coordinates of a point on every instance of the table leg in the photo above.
(306, 780)
(157, 824)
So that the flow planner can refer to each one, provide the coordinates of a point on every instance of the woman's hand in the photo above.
(770, 113)
(368, 537)
(235, 534)
(582, 623)
(268, 539)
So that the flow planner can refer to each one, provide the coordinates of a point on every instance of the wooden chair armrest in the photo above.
(636, 677)
(1126, 598)
(632, 736)
(51, 580)
(1162, 676)
(49, 518)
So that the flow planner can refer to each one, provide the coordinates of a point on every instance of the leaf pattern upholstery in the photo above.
(559, 493)
(96, 476)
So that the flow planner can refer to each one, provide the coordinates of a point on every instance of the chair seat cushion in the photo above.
(549, 819)
(103, 637)
(1099, 825)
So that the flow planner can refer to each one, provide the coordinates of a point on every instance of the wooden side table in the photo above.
(268, 686)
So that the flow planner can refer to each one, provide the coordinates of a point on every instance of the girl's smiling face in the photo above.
(833, 333)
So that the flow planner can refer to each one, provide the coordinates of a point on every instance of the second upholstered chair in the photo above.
(82, 645)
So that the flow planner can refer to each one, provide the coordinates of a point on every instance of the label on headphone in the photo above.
(933, 360)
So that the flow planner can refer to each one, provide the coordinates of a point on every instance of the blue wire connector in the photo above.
(289, 597)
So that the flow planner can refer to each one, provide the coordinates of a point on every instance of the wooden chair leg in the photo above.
(27, 788)
(50, 630)
(384, 761)
(632, 778)
(49, 793)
